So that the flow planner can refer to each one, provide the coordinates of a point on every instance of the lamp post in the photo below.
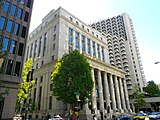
(78, 100)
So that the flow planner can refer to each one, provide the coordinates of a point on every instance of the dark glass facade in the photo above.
(15, 18)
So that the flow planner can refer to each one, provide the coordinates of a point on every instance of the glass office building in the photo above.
(14, 26)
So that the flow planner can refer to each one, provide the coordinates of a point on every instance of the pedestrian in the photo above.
(94, 117)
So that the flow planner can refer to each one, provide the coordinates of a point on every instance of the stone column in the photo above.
(112, 93)
(126, 96)
(117, 94)
(106, 90)
(100, 90)
(94, 101)
(122, 95)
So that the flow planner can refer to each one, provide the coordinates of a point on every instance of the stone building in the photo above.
(59, 33)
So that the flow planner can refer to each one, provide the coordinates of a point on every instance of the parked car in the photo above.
(141, 116)
(154, 115)
(17, 117)
(123, 117)
(57, 117)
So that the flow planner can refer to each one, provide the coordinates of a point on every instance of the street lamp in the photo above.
(78, 100)
(77, 96)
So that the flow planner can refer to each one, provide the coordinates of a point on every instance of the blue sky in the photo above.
(144, 13)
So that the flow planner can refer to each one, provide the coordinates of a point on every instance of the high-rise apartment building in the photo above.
(123, 49)
(14, 26)
(59, 33)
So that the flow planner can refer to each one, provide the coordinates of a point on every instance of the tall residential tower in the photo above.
(14, 26)
(123, 49)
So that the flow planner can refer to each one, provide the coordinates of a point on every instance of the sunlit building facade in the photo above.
(123, 49)
(14, 26)
(59, 33)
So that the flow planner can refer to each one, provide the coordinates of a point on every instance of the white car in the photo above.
(154, 115)
(17, 117)
(57, 117)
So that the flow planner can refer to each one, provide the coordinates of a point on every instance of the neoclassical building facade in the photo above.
(59, 33)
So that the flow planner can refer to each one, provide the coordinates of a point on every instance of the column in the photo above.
(94, 102)
(112, 93)
(122, 95)
(126, 96)
(100, 90)
(117, 94)
(106, 90)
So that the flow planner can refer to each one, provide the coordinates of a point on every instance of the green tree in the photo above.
(152, 89)
(25, 86)
(72, 74)
(139, 98)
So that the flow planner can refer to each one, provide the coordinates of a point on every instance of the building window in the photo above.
(2, 21)
(50, 102)
(42, 63)
(9, 67)
(5, 44)
(29, 3)
(9, 26)
(41, 80)
(20, 50)
(51, 85)
(70, 31)
(13, 10)
(6, 6)
(24, 30)
(22, 2)
(26, 16)
(55, 28)
(83, 43)
(54, 46)
(19, 13)
(77, 39)
(52, 57)
(16, 29)
(98, 50)
(77, 23)
(83, 26)
(93, 49)
(54, 36)
(31, 50)
(13, 47)
(70, 18)
(102, 53)
(40, 44)
(17, 68)
(89, 47)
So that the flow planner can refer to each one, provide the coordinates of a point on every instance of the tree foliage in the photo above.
(152, 89)
(139, 97)
(24, 85)
(72, 74)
